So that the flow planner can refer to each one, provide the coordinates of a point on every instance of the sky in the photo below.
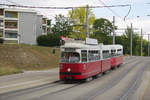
(138, 14)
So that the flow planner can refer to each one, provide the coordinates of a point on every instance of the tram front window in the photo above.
(70, 57)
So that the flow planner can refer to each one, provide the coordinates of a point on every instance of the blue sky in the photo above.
(139, 8)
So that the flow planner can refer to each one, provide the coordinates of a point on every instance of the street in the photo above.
(128, 82)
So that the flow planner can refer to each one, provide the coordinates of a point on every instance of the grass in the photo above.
(28, 58)
(9, 70)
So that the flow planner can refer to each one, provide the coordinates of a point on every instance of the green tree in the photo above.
(125, 41)
(145, 48)
(63, 25)
(102, 30)
(78, 16)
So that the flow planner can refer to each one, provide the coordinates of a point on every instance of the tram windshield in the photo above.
(70, 57)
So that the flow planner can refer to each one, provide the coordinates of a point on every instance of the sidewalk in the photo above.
(27, 79)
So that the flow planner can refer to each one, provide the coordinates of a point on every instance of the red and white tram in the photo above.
(82, 60)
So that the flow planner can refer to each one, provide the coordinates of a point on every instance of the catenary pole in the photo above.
(114, 30)
(141, 41)
(131, 40)
(148, 43)
(87, 21)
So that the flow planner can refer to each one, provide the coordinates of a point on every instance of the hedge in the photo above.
(49, 40)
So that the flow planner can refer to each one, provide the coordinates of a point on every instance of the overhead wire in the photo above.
(109, 8)
(69, 7)
(116, 13)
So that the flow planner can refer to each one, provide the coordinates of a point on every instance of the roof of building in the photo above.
(20, 10)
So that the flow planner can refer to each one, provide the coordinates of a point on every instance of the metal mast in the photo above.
(87, 21)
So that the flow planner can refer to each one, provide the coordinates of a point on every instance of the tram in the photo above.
(85, 59)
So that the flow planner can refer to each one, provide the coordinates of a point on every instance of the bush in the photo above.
(49, 40)
(1, 40)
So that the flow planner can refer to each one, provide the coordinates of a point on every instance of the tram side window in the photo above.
(93, 55)
(113, 53)
(119, 52)
(84, 55)
(106, 54)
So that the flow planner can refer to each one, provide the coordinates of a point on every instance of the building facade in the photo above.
(21, 25)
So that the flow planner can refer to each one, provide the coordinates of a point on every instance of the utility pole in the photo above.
(114, 30)
(131, 40)
(141, 41)
(87, 21)
(148, 43)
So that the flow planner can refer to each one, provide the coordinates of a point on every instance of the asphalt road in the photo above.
(128, 82)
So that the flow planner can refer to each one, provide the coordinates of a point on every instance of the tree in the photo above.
(125, 41)
(102, 30)
(63, 25)
(103, 26)
(78, 16)
(145, 47)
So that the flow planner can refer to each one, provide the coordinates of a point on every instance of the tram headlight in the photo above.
(68, 69)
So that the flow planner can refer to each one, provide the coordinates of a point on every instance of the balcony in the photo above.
(1, 33)
(1, 17)
(44, 30)
(1, 24)
(11, 15)
(1, 13)
(11, 25)
(11, 35)
(44, 21)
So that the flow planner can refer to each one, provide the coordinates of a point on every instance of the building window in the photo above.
(10, 35)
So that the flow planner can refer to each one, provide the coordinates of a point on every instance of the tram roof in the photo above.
(80, 46)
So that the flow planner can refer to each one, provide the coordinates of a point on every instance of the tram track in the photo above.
(34, 90)
(28, 90)
(130, 85)
(91, 95)
(135, 82)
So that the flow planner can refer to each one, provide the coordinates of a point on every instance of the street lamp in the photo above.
(19, 53)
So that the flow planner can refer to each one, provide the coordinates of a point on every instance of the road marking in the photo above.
(145, 89)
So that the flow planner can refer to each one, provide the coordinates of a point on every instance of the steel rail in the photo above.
(114, 82)
(137, 80)
(27, 90)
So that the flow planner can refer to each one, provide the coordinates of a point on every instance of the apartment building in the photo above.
(21, 25)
